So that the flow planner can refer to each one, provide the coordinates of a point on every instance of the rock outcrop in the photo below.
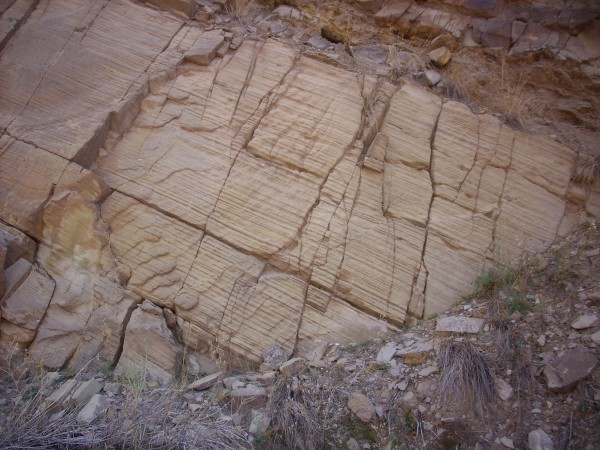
(264, 197)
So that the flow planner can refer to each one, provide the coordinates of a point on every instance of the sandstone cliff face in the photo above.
(264, 197)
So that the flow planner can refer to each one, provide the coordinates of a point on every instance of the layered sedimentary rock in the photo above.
(264, 197)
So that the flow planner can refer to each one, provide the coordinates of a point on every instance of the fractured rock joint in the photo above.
(260, 197)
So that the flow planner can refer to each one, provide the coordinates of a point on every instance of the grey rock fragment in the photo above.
(459, 324)
(563, 373)
(539, 440)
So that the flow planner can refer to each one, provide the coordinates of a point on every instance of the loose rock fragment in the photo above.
(539, 440)
(563, 373)
(440, 56)
(206, 382)
(360, 405)
(459, 324)
(585, 321)
(205, 49)
(92, 409)
(292, 367)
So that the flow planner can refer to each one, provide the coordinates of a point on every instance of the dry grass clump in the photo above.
(160, 419)
(587, 171)
(466, 377)
(143, 420)
(303, 411)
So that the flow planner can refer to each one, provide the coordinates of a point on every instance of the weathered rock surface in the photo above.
(261, 197)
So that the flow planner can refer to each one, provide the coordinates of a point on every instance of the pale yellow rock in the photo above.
(27, 305)
(228, 298)
(27, 176)
(409, 125)
(88, 305)
(157, 250)
(264, 198)
(303, 128)
(219, 275)
(149, 350)
(336, 321)
(376, 153)
(195, 141)
(79, 58)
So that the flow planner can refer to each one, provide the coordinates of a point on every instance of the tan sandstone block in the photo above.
(157, 250)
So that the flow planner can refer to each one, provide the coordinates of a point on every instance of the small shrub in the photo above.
(496, 278)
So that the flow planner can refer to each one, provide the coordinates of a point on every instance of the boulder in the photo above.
(372, 53)
(504, 390)
(274, 355)
(149, 348)
(564, 372)
(260, 423)
(432, 78)
(386, 353)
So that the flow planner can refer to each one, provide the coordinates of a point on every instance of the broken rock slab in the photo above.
(459, 324)
(17, 244)
(92, 409)
(292, 367)
(585, 321)
(205, 49)
(386, 353)
(149, 348)
(26, 306)
(187, 7)
(574, 365)
(205, 382)
(85, 391)
(250, 397)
